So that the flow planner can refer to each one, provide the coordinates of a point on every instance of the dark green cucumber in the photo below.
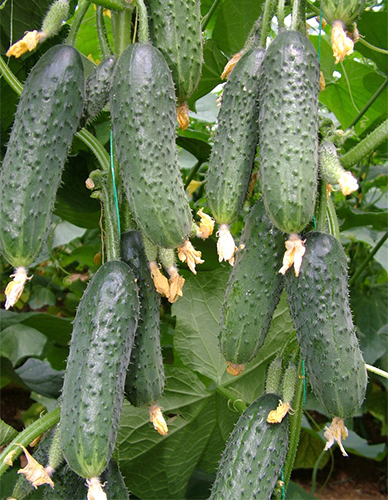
(346, 11)
(253, 289)
(97, 89)
(175, 29)
(100, 349)
(289, 130)
(143, 120)
(46, 119)
(319, 305)
(144, 383)
(235, 142)
(252, 461)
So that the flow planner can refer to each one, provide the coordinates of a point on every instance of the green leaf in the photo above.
(20, 341)
(41, 297)
(353, 217)
(377, 406)
(41, 378)
(309, 450)
(370, 237)
(168, 460)
(198, 315)
(234, 22)
(7, 433)
(296, 492)
(374, 27)
(213, 65)
(199, 149)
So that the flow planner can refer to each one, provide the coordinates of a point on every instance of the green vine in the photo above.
(366, 146)
(83, 7)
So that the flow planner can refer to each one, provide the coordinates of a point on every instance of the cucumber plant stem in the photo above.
(117, 5)
(101, 32)
(268, 12)
(372, 47)
(143, 21)
(368, 258)
(121, 28)
(83, 6)
(191, 175)
(206, 19)
(377, 371)
(320, 212)
(332, 220)
(366, 146)
(298, 16)
(30, 433)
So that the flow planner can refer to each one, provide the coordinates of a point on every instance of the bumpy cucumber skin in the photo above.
(100, 349)
(288, 122)
(235, 142)
(319, 305)
(144, 383)
(143, 120)
(254, 455)
(97, 89)
(175, 29)
(46, 119)
(346, 11)
(253, 289)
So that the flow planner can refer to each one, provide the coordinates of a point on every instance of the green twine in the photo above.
(283, 486)
(314, 222)
(304, 384)
(114, 183)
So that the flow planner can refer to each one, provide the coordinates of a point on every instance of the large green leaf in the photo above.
(235, 19)
(20, 341)
(309, 449)
(7, 433)
(374, 27)
(198, 315)
(354, 217)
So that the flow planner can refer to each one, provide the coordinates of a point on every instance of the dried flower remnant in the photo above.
(226, 246)
(277, 415)
(35, 472)
(293, 255)
(341, 44)
(336, 433)
(187, 253)
(95, 491)
(206, 226)
(230, 65)
(15, 288)
(234, 369)
(158, 421)
(176, 285)
(160, 281)
(348, 183)
(182, 114)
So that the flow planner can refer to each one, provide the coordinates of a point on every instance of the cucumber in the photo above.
(100, 348)
(46, 120)
(235, 142)
(319, 305)
(97, 89)
(346, 11)
(288, 121)
(143, 121)
(144, 382)
(254, 454)
(175, 29)
(253, 289)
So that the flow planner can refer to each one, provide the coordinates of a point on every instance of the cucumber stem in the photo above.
(321, 207)
(298, 16)
(332, 220)
(377, 371)
(121, 28)
(10, 78)
(83, 6)
(117, 5)
(369, 103)
(238, 403)
(192, 173)
(366, 146)
(102, 34)
(268, 12)
(280, 14)
(368, 258)
(295, 427)
(206, 19)
(143, 21)
(26, 437)
(372, 47)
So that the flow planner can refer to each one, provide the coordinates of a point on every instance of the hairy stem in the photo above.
(101, 32)
(369, 104)
(366, 146)
(83, 6)
(206, 19)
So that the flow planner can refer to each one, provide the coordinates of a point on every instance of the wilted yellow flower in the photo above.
(226, 247)
(160, 281)
(187, 253)
(341, 44)
(176, 285)
(156, 417)
(95, 491)
(234, 369)
(182, 114)
(34, 471)
(206, 226)
(293, 255)
(322, 83)
(15, 288)
(27, 43)
(277, 415)
(336, 433)
(348, 183)
(230, 65)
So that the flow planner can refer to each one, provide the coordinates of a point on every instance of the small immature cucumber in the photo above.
(144, 383)
(254, 455)
(175, 29)
(143, 120)
(253, 289)
(346, 11)
(289, 130)
(235, 142)
(319, 305)
(97, 89)
(46, 119)
(100, 349)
